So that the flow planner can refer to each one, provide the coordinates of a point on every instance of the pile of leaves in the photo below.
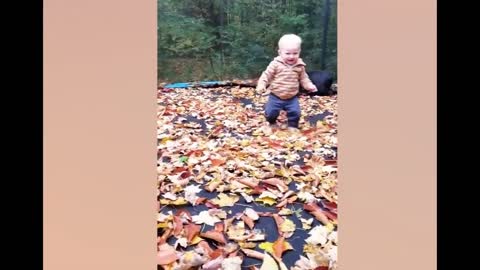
(234, 194)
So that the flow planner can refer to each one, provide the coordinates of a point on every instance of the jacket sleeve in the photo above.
(266, 77)
(305, 80)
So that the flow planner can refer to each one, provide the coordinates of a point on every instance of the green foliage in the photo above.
(236, 39)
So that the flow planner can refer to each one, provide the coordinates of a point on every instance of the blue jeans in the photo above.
(275, 105)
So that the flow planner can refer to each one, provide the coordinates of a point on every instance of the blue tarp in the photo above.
(178, 85)
(190, 84)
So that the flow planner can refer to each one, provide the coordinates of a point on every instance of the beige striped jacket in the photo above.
(283, 80)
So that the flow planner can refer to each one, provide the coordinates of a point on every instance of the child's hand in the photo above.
(263, 91)
(313, 89)
(266, 93)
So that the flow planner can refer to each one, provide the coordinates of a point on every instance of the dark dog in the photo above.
(323, 80)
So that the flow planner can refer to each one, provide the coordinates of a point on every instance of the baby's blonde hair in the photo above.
(289, 39)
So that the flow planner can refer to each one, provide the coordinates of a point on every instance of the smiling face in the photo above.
(289, 53)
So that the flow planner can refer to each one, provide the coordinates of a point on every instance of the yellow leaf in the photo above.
(163, 225)
(245, 142)
(169, 266)
(283, 172)
(285, 212)
(196, 240)
(299, 145)
(266, 200)
(330, 227)
(251, 245)
(287, 226)
(165, 140)
(179, 201)
(311, 248)
(268, 246)
(225, 200)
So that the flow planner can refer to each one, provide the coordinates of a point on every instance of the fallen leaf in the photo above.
(223, 157)
(253, 253)
(192, 231)
(189, 260)
(251, 213)
(212, 185)
(266, 200)
(191, 194)
(232, 263)
(169, 196)
(248, 221)
(205, 217)
(269, 263)
(306, 223)
(214, 235)
(225, 200)
(166, 254)
(196, 240)
(318, 235)
(247, 198)
(178, 201)
(214, 264)
(247, 245)
(287, 226)
(268, 246)
(181, 241)
(217, 162)
(316, 212)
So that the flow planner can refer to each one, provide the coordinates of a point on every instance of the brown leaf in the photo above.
(219, 227)
(298, 169)
(206, 247)
(267, 175)
(330, 215)
(227, 223)
(166, 254)
(217, 162)
(248, 182)
(278, 221)
(177, 225)
(316, 212)
(279, 247)
(165, 235)
(248, 221)
(276, 182)
(213, 185)
(287, 194)
(192, 230)
(281, 204)
(253, 253)
(214, 264)
(200, 200)
(257, 190)
(292, 199)
(210, 204)
(214, 235)
(330, 205)
(180, 170)
(219, 252)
